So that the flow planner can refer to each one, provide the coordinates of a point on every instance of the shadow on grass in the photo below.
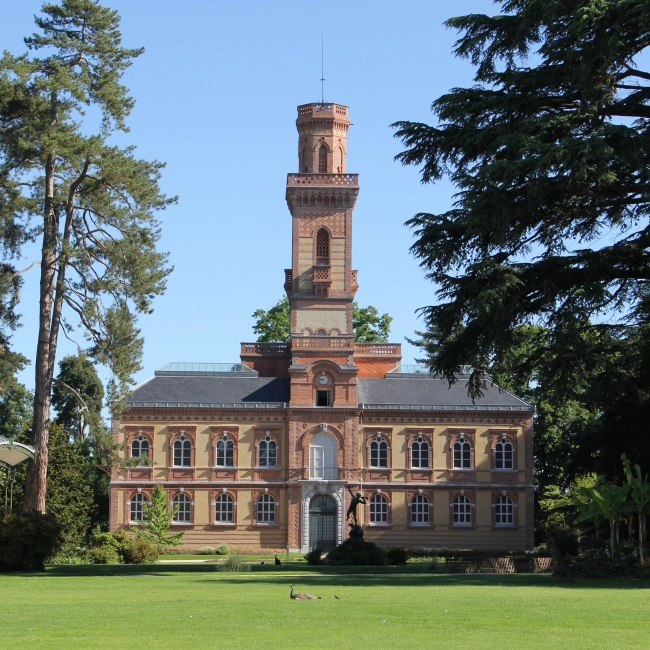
(290, 573)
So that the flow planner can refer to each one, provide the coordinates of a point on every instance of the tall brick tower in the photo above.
(321, 283)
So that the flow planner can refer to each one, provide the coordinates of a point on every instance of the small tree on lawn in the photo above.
(640, 498)
(157, 521)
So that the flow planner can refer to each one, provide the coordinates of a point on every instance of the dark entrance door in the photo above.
(322, 522)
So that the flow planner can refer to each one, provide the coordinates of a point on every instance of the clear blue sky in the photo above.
(216, 91)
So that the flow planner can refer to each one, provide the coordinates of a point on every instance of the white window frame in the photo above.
(224, 503)
(500, 457)
(137, 503)
(185, 444)
(375, 450)
(504, 508)
(225, 441)
(265, 509)
(462, 511)
(462, 459)
(420, 442)
(141, 440)
(378, 506)
(323, 458)
(420, 506)
(267, 444)
(184, 503)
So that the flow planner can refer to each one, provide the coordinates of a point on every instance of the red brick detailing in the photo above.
(174, 434)
(497, 435)
(269, 473)
(471, 495)
(306, 438)
(410, 495)
(224, 473)
(214, 493)
(373, 433)
(311, 222)
(454, 435)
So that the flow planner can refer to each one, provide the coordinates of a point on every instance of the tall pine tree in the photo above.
(90, 203)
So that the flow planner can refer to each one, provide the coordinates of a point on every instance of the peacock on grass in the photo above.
(295, 596)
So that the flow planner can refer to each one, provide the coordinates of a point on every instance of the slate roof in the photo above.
(210, 390)
(404, 392)
(228, 390)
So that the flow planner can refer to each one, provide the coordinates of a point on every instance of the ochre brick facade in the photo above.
(325, 421)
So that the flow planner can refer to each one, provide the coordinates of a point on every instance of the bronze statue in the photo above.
(356, 500)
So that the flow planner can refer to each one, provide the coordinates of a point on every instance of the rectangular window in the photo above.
(323, 398)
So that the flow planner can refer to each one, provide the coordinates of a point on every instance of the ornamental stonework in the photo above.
(309, 221)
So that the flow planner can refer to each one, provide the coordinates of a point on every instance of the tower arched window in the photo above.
(503, 456)
(420, 453)
(339, 167)
(184, 503)
(225, 452)
(462, 454)
(323, 457)
(183, 452)
(322, 247)
(378, 453)
(322, 159)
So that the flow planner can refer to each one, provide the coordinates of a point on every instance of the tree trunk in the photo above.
(618, 537)
(612, 525)
(37, 469)
(641, 537)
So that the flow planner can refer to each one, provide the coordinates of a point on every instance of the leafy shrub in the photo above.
(207, 550)
(27, 539)
(314, 557)
(396, 555)
(141, 552)
(102, 555)
(234, 564)
(357, 553)
(565, 540)
(224, 550)
(123, 543)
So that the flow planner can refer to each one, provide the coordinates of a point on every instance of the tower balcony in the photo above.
(322, 280)
(324, 109)
(322, 180)
(322, 342)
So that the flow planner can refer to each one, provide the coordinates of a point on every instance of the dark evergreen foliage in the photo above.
(550, 152)
(354, 552)
(27, 539)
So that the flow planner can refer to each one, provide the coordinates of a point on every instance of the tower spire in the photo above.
(322, 70)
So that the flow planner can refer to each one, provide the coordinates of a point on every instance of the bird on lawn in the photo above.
(277, 562)
(337, 598)
(295, 596)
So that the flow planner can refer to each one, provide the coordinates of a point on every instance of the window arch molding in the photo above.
(139, 433)
(185, 500)
(374, 448)
(420, 509)
(461, 436)
(310, 434)
(505, 510)
(188, 434)
(223, 503)
(132, 497)
(222, 434)
(378, 508)
(462, 502)
(414, 439)
(268, 451)
(499, 439)
(266, 507)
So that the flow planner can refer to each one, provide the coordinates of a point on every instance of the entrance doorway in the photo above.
(322, 522)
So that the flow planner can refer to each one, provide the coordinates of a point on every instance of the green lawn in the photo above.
(163, 609)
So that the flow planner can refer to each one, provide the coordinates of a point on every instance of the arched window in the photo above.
(322, 247)
(462, 511)
(304, 160)
(462, 454)
(340, 161)
(503, 455)
(224, 509)
(225, 452)
(268, 452)
(137, 506)
(323, 457)
(184, 503)
(378, 453)
(140, 449)
(503, 512)
(183, 452)
(420, 453)
(419, 510)
(322, 159)
(378, 509)
(266, 509)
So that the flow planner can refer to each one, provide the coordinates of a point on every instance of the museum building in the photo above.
(263, 453)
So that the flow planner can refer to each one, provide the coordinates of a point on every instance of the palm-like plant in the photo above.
(608, 500)
(639, 487)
